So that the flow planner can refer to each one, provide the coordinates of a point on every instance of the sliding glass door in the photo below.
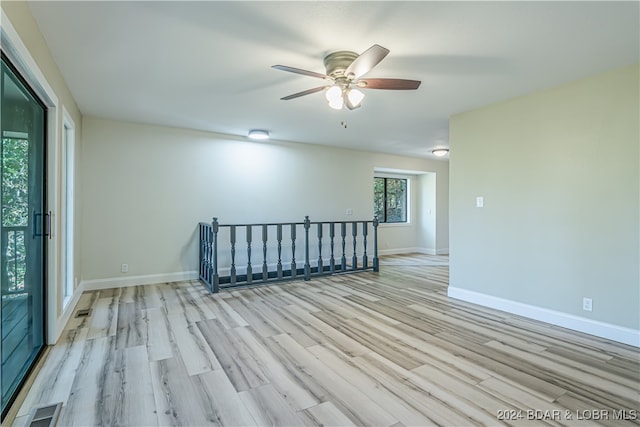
(23, 225)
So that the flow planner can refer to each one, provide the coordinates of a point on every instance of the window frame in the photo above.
(407, 180)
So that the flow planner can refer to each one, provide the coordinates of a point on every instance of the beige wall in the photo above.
(29, 47)
(558, 171)
(145, 188)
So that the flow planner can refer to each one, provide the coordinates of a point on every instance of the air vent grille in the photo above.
(85, 312)
(45, 416)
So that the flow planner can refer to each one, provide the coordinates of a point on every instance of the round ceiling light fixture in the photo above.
(259, 134)
(440, 152)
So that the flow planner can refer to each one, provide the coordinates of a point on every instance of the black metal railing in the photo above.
(223, 265)
(14, 261)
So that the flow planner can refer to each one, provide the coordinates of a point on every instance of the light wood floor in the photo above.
(360, 349)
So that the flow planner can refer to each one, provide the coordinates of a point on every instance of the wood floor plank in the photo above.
(55, 380)
(326, 414)
(223, 404)
(373, 340)
(84, 404)
(160, 342)
(268, 408)
(104, 318)
(370, 386)
(388, 348)
(325, 333)
(284, 377)
(226, 314)
(615, 386)
(131, 387)
(344, 395)
(196, 354)
(234, 356)
(178, 400)
(131, 326)
(436, 411)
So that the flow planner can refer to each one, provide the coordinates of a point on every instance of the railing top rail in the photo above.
(14, 227)
(289, 223)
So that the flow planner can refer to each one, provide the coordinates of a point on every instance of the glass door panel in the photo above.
(22, 229)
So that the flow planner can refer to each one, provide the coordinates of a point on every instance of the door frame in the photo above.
(19, 80)
(17, 52)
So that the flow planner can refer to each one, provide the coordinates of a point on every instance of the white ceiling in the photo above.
(206, 65)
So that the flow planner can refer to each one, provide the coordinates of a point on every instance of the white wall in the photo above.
(145, 188)
(558, 171)
(434, 212)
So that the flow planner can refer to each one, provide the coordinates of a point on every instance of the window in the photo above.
(390, 199)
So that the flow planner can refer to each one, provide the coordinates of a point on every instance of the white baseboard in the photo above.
(426, 251)
(149, 279)
(400, 251)
(593, 327)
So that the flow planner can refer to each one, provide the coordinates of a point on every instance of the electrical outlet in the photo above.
(124, 268)
(349, 211)
(479, 201)
(587, 304)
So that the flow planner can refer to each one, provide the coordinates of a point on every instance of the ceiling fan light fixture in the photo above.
(440, 152)
(337, 103)
(333, 93)
(355, 97)
(259, 134)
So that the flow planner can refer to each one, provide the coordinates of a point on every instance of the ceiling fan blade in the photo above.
(391, 84)
(365, 62)
(300, 71)
(304, 92)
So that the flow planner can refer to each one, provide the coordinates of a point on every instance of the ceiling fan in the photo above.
(343, 77)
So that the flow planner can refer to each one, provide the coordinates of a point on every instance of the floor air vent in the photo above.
(45, 416)
(85, 312)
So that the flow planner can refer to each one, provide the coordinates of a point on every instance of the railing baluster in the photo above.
(215, 283)
(265, 269)
(343, 233)
(249, 270)
(364, 236)
(332, 260)
(376, 266)
(307, 266)
(4, 276)
(354, 233)
(279, 237)
(294, 269)
(320, 267)
(232, 238)
(209, 260)
(201, 254)
(16, 279)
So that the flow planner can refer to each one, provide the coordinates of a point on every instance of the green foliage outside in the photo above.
(390, 199)
(15, 210)
(15, 182)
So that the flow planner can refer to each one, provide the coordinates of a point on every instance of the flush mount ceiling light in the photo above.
(440, 152)
(258, 134)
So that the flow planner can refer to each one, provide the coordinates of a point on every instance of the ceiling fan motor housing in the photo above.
(337, 62)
